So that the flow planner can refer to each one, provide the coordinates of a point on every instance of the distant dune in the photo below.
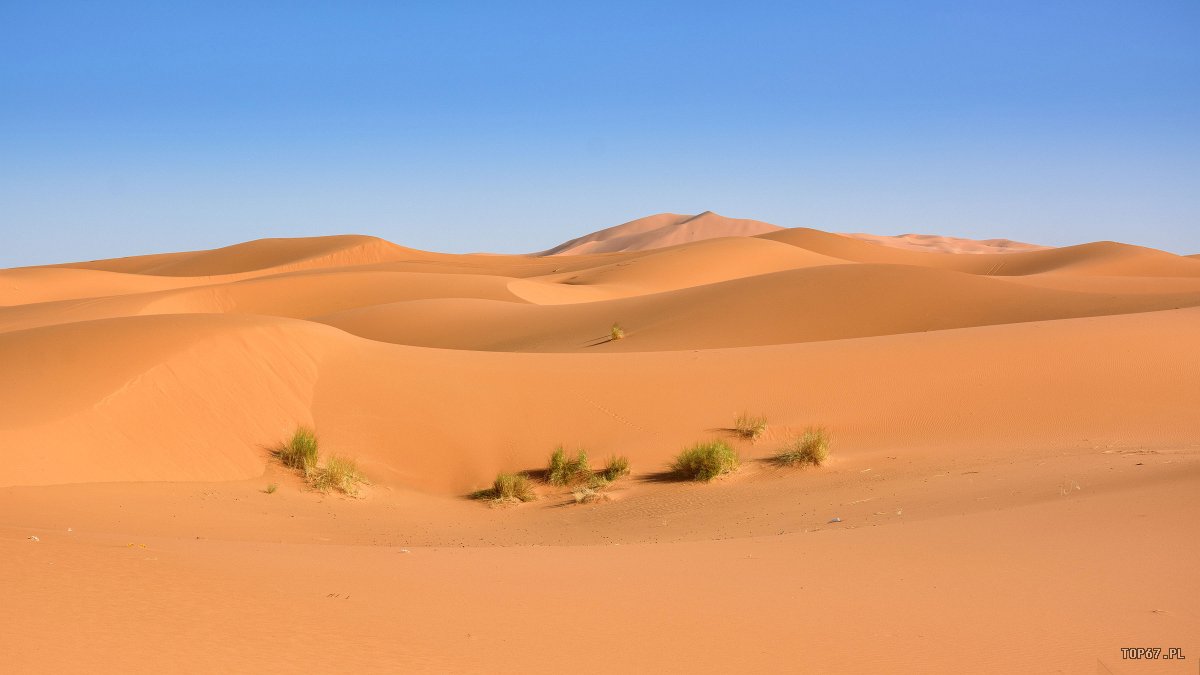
(939, 244)
(660, 230)
(1004, 415)
(669, 229)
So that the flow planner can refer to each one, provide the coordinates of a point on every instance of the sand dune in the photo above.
(26, 286)
(657, 231)
(1099, 258)
(262, 254)
(940, 244)
(308, 302)
(792, 306)
(669, 229)
(202, 400)
(988, 400)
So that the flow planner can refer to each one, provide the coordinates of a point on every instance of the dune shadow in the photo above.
(730, 431)
(666, 476)
(774, 462)
(273, 450)
(568, 502)
(539, 475)
(596, 342)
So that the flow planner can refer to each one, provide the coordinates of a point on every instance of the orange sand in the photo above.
(1015, 463)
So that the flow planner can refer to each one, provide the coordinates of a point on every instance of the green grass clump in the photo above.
(339, 474)
(616, 467)
(271, 488)
(616, 333)
(750, 426)
(811, 447)
(565, 470)
(509, 487)
(301, 451)
(705, 461)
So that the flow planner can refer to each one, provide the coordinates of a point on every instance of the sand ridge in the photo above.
(942, 244)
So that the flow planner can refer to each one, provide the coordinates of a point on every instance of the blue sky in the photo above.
(132, 128)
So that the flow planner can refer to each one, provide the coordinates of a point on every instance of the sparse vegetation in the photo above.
(509, 487)
(811, 447)
(750, 426)
(616, 333)
(568, 471)
(339, 474)
(301, 452)
(271, 488)
(617, 466)
(705, 461)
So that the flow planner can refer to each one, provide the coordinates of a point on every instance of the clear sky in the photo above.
(133, 128)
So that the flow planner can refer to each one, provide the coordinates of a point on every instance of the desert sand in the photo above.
(1012, 487)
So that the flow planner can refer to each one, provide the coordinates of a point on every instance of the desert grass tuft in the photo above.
(565, 470)
(810, 447)
(705, 461)
(339, 473)
(271, 488)
(616, 332)
(750, 426)
(617, 466)
(301, 451)
(509, 487)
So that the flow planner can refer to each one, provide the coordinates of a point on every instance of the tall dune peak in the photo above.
(661, 230)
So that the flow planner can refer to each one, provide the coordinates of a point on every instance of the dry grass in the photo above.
(616, 332)
(301, 452)
(811, 447)
(706, 461)
(617, 466)
(565, 470)
(509, 487)
(750, 426)
(271, 488)
(339, 473)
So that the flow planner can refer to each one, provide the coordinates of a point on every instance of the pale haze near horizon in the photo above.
(130, 129)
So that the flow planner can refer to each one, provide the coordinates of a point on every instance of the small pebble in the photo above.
(836, 520)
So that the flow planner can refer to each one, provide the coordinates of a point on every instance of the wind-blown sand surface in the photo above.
(1016, 456)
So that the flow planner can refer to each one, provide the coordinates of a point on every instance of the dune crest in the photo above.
(939, 244)
(661, 230)
(670, 229)
(276, 255)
